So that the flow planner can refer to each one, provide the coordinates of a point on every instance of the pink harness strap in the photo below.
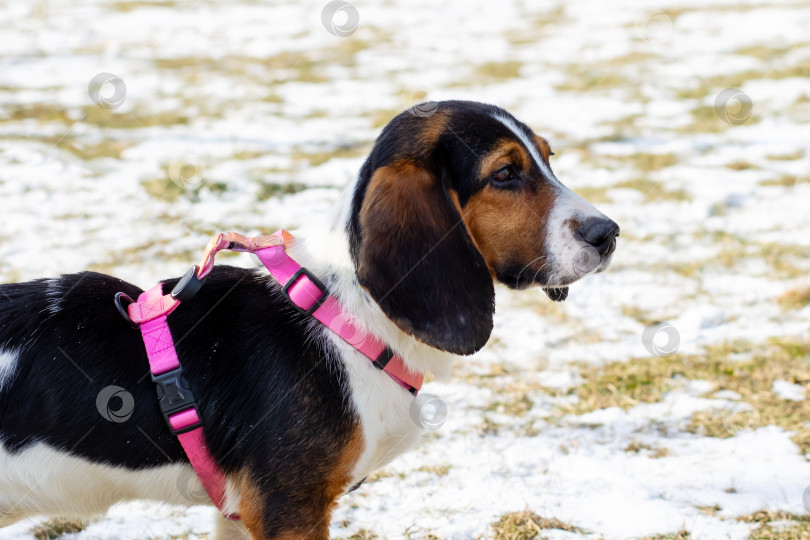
(307, 294)
(175, 400)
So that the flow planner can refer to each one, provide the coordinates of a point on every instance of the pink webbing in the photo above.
(151, 311)
(193, 442)
(304, 293)
(153, 307)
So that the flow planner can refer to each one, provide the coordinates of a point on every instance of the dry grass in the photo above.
(168, 190)
(705, 120)
(363, 534)
(593, 194)
(56, 528)
(584, 78)
(654, 191)
(680, 535)
(654, 452)
(514, 404)
(753, 380)
(527, 525)
(314, 158)
(795, 298)
(785, 180)
(499, 71)
(741, 165)
(438, 470)
(790, 527)
(627, 384)
(798, 154)
(709, 510)
(271, 190)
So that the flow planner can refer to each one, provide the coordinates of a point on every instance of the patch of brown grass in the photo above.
(795, 298)
(438, 470)
(499, 71)
(753, 380)
(527, 525)
(654, 452)
(680, 535)
(794, 527)
(626, 384)
(56, 528)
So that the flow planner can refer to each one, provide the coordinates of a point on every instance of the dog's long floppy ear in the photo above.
(420, 264)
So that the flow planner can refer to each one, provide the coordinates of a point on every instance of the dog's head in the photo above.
(448, 201)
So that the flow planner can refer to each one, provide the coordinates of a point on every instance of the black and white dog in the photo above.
(444, 206)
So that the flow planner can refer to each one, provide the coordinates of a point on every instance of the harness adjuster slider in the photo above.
(174, 396)
(285, 290)
(382, 360)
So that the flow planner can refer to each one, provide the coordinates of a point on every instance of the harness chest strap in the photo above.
(306, 293)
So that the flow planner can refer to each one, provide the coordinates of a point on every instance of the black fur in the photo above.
(272, 397)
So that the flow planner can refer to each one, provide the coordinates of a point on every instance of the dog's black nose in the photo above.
(601, 233)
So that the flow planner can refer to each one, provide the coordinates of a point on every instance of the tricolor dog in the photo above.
(294, 414)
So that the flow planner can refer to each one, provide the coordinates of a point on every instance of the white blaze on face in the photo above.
(571, 258)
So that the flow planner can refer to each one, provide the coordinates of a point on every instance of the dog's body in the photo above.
(293, 415)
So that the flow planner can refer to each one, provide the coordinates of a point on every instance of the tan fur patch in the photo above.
(509, 226)
(505, 153)
(545, 149)
(312, 521)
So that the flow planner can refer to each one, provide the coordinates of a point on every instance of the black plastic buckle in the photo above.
(285, 290)
(122, 310)
(175, 396)
(188, 285)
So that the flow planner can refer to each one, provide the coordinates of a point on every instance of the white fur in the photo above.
(8, 363)
(566, 253)
(42, 480)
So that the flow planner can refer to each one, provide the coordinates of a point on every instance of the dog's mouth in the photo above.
(557, 294)
(520, 278)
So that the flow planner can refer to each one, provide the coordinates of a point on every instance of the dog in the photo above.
(445, 205)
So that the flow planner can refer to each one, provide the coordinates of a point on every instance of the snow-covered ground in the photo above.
(686, 121)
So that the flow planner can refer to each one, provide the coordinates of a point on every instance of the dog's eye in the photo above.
(504, 175)
(551, 154)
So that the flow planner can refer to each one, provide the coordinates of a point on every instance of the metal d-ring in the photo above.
(122, 311)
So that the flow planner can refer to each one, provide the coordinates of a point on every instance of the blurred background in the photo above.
(666, 398)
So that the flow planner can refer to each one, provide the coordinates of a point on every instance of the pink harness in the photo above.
(306, 293)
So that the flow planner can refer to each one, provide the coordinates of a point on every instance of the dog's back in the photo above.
(80, 426)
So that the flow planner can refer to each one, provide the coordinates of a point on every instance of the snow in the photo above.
(789, 390)
(603, 83)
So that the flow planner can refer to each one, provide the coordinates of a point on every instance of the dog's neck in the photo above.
(324, 249)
